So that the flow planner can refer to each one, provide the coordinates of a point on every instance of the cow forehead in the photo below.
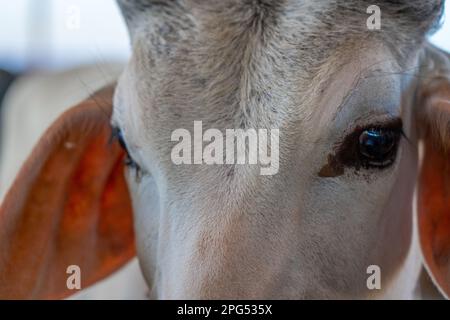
(316, 26)
(238, 64)
(236, 91)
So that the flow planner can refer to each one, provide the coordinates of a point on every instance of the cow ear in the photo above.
(69, 206)
(434, 179)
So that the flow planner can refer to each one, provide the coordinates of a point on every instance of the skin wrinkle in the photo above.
(251, 65)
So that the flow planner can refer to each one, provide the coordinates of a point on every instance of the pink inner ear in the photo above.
(69, 206)
(434, 214)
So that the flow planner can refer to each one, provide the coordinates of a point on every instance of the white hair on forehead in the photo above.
(262, 43)
(418, 13)
(322, 23)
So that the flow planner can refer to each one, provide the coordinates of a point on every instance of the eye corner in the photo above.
(117, 135)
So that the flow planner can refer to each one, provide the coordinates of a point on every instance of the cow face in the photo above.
(346, 106)
(342, 97)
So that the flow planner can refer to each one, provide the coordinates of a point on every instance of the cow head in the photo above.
(353, 108)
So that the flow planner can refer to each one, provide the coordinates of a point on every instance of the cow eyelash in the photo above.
(117, 135)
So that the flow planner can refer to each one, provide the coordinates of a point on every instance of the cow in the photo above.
(363, 180)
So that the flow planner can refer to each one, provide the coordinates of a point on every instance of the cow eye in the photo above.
(129, 162)
(377, 146)
(373, 146)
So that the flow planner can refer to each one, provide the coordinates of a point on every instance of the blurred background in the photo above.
(57, 34)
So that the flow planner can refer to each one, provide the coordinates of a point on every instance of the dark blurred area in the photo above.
(6, 78)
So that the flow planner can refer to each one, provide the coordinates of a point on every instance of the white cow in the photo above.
(348, 106)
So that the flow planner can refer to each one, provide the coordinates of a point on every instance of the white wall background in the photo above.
(61, 33)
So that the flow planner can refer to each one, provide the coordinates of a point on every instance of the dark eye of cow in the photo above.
(372, 146)
(129, 162)
(377, 146)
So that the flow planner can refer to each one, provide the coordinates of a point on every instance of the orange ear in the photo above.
(434, 181)
(434, 214)
(69, 205)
